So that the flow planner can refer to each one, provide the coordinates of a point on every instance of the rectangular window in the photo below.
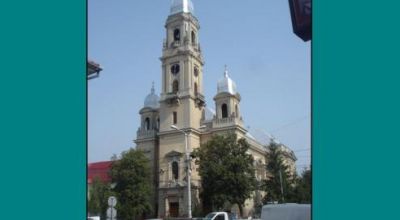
(175, 118)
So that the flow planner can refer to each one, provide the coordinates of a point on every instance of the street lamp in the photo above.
(188, 161)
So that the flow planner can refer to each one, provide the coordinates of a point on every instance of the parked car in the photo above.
(289, 211)
(93, 218)
(220, 216)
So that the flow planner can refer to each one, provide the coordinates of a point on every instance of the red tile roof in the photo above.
(99, 169)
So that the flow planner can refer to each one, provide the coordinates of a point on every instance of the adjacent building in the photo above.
(98, 170)
(93, 70)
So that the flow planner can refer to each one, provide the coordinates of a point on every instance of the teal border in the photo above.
(355, 53)
(43, 109)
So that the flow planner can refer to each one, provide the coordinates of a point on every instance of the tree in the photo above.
(131, 174)
(278, 177)
(226, 170)
(98, 195)
(304, 186)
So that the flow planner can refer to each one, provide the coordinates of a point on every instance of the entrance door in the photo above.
(174, 209)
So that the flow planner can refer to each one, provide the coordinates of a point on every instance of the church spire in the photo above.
(226, 71)
(179, 6)
(226, 84)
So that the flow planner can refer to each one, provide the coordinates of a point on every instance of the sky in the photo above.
(270, 65)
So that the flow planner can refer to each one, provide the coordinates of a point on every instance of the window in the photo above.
(158, 123)
(224, 109)
(195, 89)
(175, 170)
(220, 217)
(147, 124)
(177, 35)
(175, 86)
(175, 118)
(193, 37)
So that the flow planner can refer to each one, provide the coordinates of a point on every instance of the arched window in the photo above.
(195, 89)
(177, 35)
(175, 170)
(147, 123)
(175, 86)
(224, 109)
(193, 37)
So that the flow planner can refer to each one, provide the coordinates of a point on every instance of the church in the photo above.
(180, 112)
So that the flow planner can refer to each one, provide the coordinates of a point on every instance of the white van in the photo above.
(289, 211)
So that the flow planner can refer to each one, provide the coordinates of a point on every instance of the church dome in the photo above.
(152, 100)
(226, 84)
(179, 6)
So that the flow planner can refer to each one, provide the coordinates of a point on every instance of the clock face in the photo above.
(175, 69)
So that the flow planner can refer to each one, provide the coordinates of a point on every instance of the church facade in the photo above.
(182, 104)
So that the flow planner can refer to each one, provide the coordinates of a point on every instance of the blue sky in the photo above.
(270, 65)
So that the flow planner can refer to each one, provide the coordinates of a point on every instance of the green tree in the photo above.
(304, 187)
(98, 195)
(226, 170)
(278, 177)
(131, 174)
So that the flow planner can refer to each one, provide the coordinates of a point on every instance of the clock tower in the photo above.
(182, 69)
(181, 104)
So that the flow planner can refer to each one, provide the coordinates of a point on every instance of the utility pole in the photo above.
(189, 192)
(280, 177)
(188, 164)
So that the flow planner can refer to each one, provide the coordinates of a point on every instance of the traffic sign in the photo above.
(111, 213)
(112, 201)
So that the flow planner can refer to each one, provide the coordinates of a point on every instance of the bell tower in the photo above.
(182, 97)
(181, 104)
(227, 102)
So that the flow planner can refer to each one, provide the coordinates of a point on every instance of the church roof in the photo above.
(99, 169)
(179, 6)
(152, 100)
(226, 84)
(209, 113)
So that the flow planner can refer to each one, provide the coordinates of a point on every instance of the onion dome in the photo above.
(179, 6)
(226, 84)
(152, 100)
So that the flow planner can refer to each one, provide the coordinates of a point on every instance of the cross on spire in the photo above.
(152, 88)
(226, 71)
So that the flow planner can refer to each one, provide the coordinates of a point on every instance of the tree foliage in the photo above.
(98, 196)
(131, 173)
(304, 187)
(275, 170)
(226, 170)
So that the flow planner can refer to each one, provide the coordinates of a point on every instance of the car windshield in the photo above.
(210, 216)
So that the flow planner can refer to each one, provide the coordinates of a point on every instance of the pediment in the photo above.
(174, 154)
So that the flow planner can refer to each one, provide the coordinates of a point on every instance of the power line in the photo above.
(300, 150)
(291, 123)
